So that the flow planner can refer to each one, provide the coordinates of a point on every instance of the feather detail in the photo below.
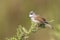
(40, 19)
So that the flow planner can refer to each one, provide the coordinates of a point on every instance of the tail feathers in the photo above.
(49, 26)
(43, 25)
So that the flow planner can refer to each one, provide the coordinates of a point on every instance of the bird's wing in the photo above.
(40, 19)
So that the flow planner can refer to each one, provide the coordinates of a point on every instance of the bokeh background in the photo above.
(16, 12)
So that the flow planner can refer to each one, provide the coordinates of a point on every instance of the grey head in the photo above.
(32, 14)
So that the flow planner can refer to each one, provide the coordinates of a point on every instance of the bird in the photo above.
(42, 22)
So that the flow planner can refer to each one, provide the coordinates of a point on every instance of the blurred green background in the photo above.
(15, 12)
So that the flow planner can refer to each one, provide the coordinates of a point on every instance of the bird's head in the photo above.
(32, 14)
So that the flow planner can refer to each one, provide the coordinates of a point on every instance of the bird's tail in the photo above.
(49, 26)
(46, 24)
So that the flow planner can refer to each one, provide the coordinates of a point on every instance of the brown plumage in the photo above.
(40, 19)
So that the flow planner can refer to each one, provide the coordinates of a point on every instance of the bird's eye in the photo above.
(31, 13)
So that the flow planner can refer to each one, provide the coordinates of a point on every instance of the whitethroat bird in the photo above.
(42, 22)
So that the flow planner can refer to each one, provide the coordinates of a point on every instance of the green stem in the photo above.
(31, 28)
